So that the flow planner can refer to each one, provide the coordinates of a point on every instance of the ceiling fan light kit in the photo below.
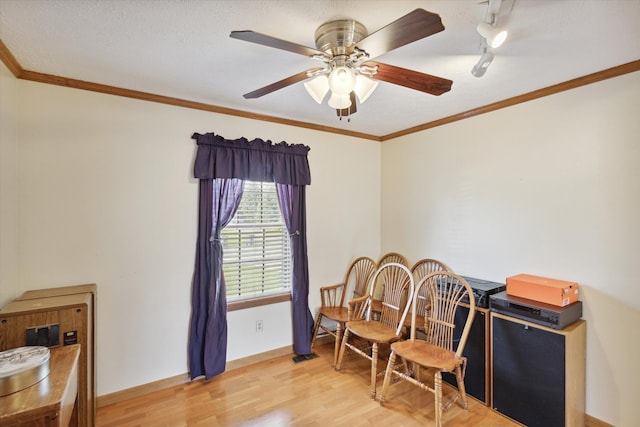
(341, 79)
(339, 102)
(364, 87)
(346, 48)
(318, 88)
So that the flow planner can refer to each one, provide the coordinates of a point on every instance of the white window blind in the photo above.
(257, 258)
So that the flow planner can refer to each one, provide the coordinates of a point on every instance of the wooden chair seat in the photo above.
(426, 354)
(372, 330)
(339, 314)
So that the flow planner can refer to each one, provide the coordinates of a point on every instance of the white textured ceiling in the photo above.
(182, 49)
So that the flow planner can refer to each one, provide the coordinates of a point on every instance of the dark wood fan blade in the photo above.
(411, 27)
(411, 79)
(280, 84)
(346, 112)
(253, 37)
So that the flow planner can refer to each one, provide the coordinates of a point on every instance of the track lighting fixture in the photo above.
(483, 63)
(494, 36)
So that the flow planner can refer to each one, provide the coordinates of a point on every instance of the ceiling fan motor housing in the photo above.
(340, 36)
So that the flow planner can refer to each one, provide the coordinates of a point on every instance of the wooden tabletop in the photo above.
(52, 398)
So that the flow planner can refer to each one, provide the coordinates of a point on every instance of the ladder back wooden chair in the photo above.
(333, 307)
(387, 328)
(446, 291)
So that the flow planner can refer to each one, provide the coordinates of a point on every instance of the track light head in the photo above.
(483, 63)
(494, 36)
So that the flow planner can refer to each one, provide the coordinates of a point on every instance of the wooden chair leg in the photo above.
(343, 344)
(315, 329)
(437, 387)
(374, 367)
(405, 365)
(336, 348)
(387, 377)
(461, 389)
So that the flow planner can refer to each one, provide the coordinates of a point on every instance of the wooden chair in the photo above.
(398, 291)
(333, 301)
(426, 266)
(377, 291)
(393, 257)
(420, 270)
(446, 291)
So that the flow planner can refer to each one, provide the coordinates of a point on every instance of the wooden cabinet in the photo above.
(72, 309)
(538, 373)
(51, 402)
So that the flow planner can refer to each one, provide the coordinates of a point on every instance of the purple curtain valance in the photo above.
(255, 160)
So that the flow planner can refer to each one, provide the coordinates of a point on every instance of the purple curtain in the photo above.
(292, 205)
(222, 165)
(255, 160)
(219, 201)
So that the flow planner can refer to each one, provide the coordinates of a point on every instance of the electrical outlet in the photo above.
(258, 325)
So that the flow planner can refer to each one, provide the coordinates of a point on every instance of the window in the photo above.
(257, 258)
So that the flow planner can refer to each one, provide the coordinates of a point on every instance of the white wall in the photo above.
(550, 187)
(106, 195)
(97, 188)
(9, 283)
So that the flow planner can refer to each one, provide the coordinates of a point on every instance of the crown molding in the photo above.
(10, 61)
(530, 96)
(16, 69)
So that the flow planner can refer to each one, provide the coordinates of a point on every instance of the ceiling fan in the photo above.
(346, 49)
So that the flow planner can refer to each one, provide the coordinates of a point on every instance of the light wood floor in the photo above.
(279, 392)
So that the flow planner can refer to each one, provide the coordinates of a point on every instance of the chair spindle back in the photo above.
(359, 276)
(446, 291)
(398, 288)
(390, 257)
(420, 270)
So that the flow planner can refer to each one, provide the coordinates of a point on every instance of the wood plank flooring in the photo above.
(279, 392)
